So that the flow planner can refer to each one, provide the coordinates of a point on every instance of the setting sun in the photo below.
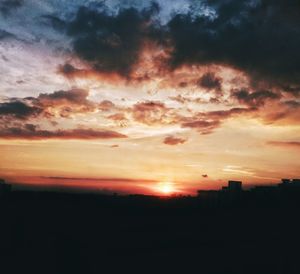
(165, 188)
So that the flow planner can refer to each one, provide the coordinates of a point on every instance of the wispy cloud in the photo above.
(285, 144)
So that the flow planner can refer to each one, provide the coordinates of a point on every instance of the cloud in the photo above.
(73, 96)
(234, 34)
(65, 103)
(203, 126)
(5, 35)
(153, 113)
(256, 98)
(117, 117)
(150, 113)
(185, 100)
(224, 114)
(207, 122)
(88, 72)
(282, 113)
(210, 81)
(47, 107)
(70, 71)
(106, 105)
(104, 179)
(44, 112)
(294, 90)
(171, 140)
(18, 109)
(114, 146)
(7, 6)
(67, 69)
(285, 144)
(241, 35)
(59, 103)
(31, 132)
(111, 36)
(39, 112)
(292, 104)
(111, 42)
(54, 21)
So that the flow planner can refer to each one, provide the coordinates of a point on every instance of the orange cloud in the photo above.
(150, 112)
(171, 140)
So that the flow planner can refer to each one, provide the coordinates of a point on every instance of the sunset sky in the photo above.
(149, 97)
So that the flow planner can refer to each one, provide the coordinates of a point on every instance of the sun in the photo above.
(165, 188)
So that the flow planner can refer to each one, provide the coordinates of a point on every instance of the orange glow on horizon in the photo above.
(165, 188)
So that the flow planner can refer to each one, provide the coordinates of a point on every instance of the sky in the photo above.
(151, 97)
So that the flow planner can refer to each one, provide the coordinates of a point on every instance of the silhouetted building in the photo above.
(209, 197)
(288, 183)
(233, 194)
(4, 187)
(229, 194)
(234, 186)
(285, 181)
(264, 192)
(296, 182)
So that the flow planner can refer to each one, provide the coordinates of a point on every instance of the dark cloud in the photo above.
(5, 35)
(210, 81)
(59, 103)
(7, 6)
(112, 43)
(72, 72)
(54, 21)
(64, 103)
(73, 96)
(204, 175)
(292, 104)
(261, 38)
(19, 110)
(68, 70)
(256, 98)
(295, 90)
(173, 141)
(32, 132)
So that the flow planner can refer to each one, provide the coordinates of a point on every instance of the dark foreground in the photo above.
(66, 233)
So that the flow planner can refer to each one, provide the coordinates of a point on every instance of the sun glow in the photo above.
(165, 188)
